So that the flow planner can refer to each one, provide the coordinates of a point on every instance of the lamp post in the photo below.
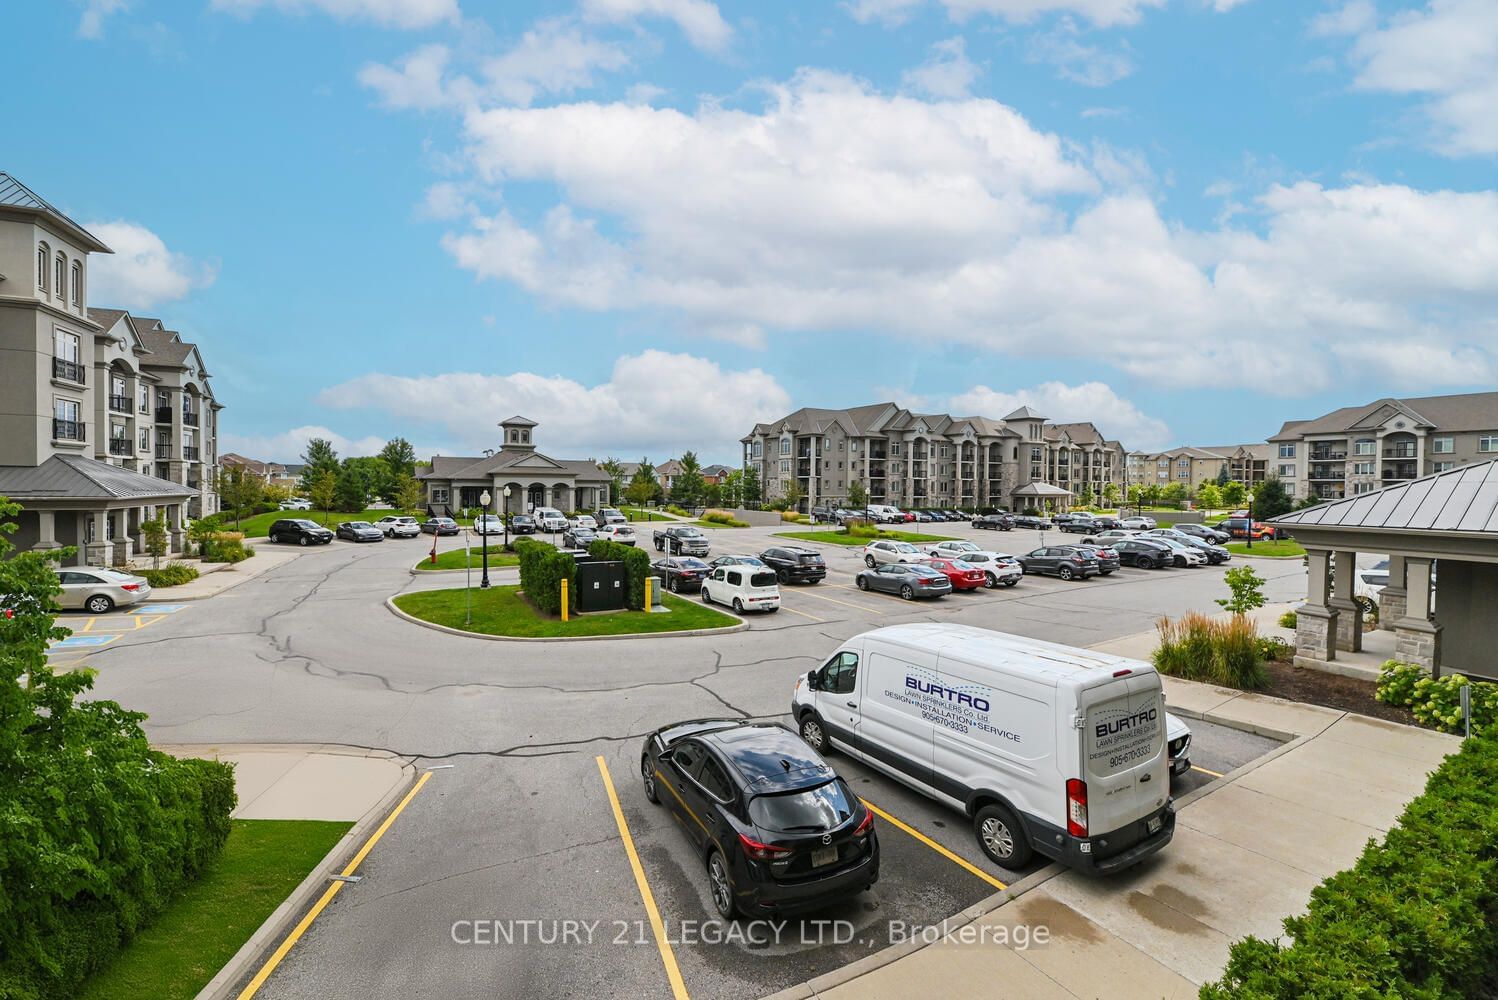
(507, 518)
(1250, 518)
(484, 499)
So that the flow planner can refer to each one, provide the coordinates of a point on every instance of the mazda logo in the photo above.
(826, 838)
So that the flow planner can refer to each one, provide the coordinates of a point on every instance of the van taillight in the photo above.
(1076, 807)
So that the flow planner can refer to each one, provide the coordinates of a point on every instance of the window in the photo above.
(785, 466)
(894, 449)
(685, 757)
(1365, 446)
(60, 288)
(439, 494)
(1287, 451)
(1442, 466)
(143, 399)
(43, 254)
(785, 446)
(77, 283)
(840, 676)
(1035, 454)
(712, 778)
(1488, 442)
(1362, 488)
(1442, 446)
(827, 444)
(853, 446)
(65, 409)
(65, 345)
(757, 449)
(1287, 472)
(145, 439)
(1362, 468)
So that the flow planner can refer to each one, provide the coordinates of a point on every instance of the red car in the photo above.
(964, 576)
(1237, 527)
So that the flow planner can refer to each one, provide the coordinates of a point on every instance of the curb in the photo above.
(252, 953)
(169, 598)
(740, 627)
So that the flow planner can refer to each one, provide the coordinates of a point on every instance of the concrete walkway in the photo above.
(216, 578)
(305, 781)
(1248, 850)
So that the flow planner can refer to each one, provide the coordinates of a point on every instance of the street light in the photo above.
(1250, 518)
(484, 499)
(507, 518)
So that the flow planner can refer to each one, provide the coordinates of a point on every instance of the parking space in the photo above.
(92, 632)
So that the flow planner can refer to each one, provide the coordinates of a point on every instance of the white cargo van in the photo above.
(1046, 748)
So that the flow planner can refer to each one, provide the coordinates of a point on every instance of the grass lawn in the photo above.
(453, 559)
(501, 611)
(1281, 548)
(190, 941)
(639, 514)
(257, 526)
(842, 538)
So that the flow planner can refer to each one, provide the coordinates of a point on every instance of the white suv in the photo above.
(878, 553)
(549, 519)
(399, 527)
(746, 588)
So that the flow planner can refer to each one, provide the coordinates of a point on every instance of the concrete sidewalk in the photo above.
(215, 578)
(1248, 850)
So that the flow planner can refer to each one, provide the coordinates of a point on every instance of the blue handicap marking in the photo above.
(157, 609)
(90, 639)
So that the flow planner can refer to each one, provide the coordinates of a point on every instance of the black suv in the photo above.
(775, 827)
(522, 524)
(1143, 553)
(1070, 562)
(299, 530)
(995, 522)
(795, 565)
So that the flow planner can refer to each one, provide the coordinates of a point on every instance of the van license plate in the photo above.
(823, 856)
(1154, 825)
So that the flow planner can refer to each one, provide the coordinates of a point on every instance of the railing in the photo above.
(190, 418)
(1328, 456)
(163, 414)
(1399, 453)
(190, 453)
(68, 430)
(70, 371)
(163, 449)
(119, 404)
(120, 446)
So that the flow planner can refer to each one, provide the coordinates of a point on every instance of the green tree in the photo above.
(1111, 494)
(752, 487)
(1084, 496)
(374, 478)
(238, 489)
(1209, 496)
(1310, 501)
(1222, 476)
(351, 488)
(642, 486)
(408, 492)
(688, 486)
(1173, 492)
(858, 497)
(1246, 588)
(793, 494)
(712, 495)
(321, 491)
(399, 457)
(1233, 494)
(156, 537)
(733, 488)
(1271, 499)
(319, 457)
(614, 469)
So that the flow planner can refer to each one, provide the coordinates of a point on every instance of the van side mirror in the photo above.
(814, 681)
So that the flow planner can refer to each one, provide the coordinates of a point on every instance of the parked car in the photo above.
(885, 551)
(998, 567)
(296, 503)
(1137, 522)
(994, 522)
(1204, 532)
(1106, 522)
(1178, 744)
(680, 573)
(918, 515)
(395, 526)
(736, 560)
(1215, 553)
(1184, 555)
(522, 524)
(359, 531)
(793, 564)
(549, 519)
(1079, 524)
(304, 532)
(437, 526)
(1033, 521)
(1108, 559)
(909, 580)
(610, 515)
(1109, 537)
(1069, 562)
(885, 514)
(961, 575)
(1142, 552)
(98, 590)
(681, 539)
(1238, 527)
(885, 692)
(621, 533)
(746, 588)
(775, 827)
(578, 537)
(583, 521)
(488, 524)
(823, 514)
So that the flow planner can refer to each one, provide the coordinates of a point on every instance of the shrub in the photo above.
(677, 510)
(1437, 703)
(224, 547)
(860, 528)
(790, 517)
(723, 517)
(1413, 917)
(1275, 650)
(1195, 647)
(542, 570)
(1031, 512)
(173, 574)
(636, 568)
(1288, 620)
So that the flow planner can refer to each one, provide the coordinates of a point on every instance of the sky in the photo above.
(648, 224)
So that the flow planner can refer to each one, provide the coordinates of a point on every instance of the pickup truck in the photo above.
(681, 540)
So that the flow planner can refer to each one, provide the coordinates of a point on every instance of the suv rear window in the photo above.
(810, 557)
(808, 809)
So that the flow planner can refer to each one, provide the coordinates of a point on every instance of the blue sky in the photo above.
(649, 223)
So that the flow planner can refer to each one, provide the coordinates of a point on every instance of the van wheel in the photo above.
(868, 561)
(721, 888)
(907, 593)
(1065, 573)
(647, 777)
(738, 606)
(1001, 837)
(813, 735)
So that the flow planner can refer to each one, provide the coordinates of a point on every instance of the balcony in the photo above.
(121, 447)
(119, 404)
(1399, 452)
(1398, 471)
(68, 371)
(1333, 473)
(190, 453)
(1328, 456)
(163, 449)
(163, 414)
(190, 418)
(69, 430)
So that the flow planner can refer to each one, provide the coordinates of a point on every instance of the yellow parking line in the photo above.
(918, 835)
(1203, 770)
(88, 626)
(855, 607)
(327, 897)
(803, 614)
(668, 958)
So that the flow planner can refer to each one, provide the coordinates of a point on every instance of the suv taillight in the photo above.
(763, 852)
(1076, 807)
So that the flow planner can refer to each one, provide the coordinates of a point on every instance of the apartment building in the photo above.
(105, 419)
(931, 459)
(1358, 449)
(1249, 464)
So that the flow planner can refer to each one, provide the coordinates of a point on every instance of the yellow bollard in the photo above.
(648, 581)
(564, 600)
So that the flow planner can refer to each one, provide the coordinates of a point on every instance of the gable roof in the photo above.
(1458, 500)
(73, 477)
(1024, 413)
(1470, 411)
(15, 195)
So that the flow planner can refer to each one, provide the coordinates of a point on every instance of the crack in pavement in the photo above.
(362, 901)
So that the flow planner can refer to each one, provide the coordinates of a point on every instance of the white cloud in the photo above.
(1115, 417)
(1447, 53)
(387, 13)
(554, 57)
(1103, 13)
(837, 208)
(141, 273)
(947, 71)
(890, 13)
(1075, 60)
(639, 410)
(1105, 112)
(699, 20)
(446, 200)
(288, 446)
(1352, 18)
(415, 82)
(95, 13)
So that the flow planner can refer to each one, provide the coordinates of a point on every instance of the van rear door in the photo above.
(1124, 758)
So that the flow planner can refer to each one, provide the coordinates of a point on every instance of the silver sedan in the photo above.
(98, 590)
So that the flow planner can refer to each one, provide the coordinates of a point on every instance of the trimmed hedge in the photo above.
(542, 569)
(1416, 916)
(173, 574)
(1437, 703)
(636, 568)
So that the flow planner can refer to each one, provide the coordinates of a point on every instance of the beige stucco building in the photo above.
(455, 482)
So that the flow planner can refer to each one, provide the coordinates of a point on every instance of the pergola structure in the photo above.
(1450, 518)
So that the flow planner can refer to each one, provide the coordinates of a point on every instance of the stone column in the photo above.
(46, 531)
(174, 531)
(1315, 620)
(1417, 639)
(1391, 602)
(1349, 614)
(98, 551)
(123, 544)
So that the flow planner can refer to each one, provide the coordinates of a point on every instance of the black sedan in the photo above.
(440, 526)
(1032, 521)
(1106, 523)
(776, 829)
(680, 572)
(359, 531)
(522, 524)
(1070, 562)
(994, 522)
(1143, 553)
(909, 580)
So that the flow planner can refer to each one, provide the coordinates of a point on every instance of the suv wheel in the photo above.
(275, 539)
(783, 576)
(990, 581)
(868, 561)
(1065, 572)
